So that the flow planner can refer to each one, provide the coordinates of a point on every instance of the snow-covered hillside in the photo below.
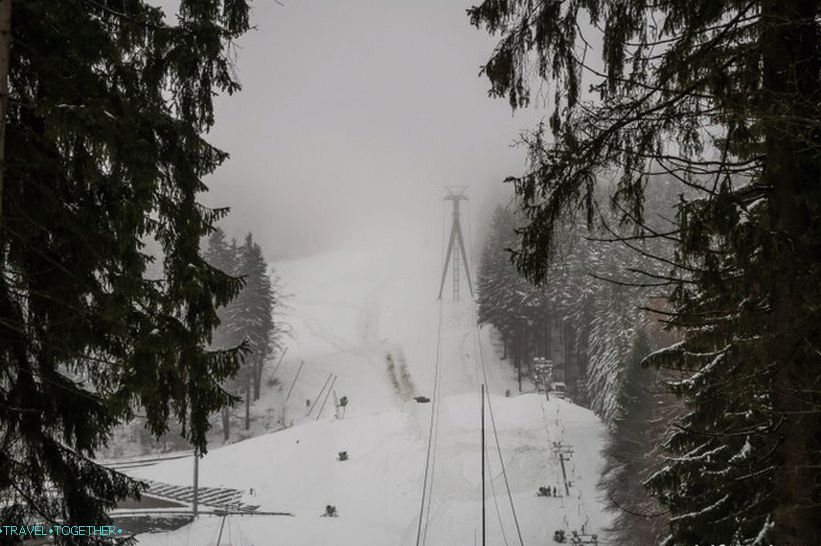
(368, 314)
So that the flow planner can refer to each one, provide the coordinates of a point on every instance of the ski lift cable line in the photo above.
(496, 505)
(492, 485)
(495, 432)
(555, 476)
(438, 409)
(433, 435)
(495, 499)
(434, 450)
(504, 472)
(434, 406)
(478, 380)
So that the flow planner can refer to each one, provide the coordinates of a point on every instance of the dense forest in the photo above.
(596, 321)
(659, 247)
(723, 99)
(588, 309)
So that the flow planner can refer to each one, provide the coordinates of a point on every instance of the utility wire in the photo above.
(496, 505)
(490, 474)
(434, 406)
(476, 363)
(438, 409)
(433, 433)
(496, 436)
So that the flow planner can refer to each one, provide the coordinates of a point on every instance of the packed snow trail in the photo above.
(368, 315)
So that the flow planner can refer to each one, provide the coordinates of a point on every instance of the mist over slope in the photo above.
(368, 314)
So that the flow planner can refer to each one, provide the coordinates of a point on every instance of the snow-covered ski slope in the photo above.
(368, 314)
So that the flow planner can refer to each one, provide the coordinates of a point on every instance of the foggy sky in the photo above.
(352, 117)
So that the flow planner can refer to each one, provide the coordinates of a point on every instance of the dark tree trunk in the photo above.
(548, 350)
(258, 366)
(546, 337)
(567, 347)
(515, 352)
(519, 371)
(791, 83)
(226, 424)
(248, 400)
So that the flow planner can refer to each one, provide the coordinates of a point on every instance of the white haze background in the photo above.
(353, 116)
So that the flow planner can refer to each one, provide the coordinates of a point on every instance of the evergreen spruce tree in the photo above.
(248, 319)
(252, 318)
(724, 97)
(630, 452)
(591, 289)
(103, 130)
(222, 256)
(262, 329)
(496, 276)
(505, 299)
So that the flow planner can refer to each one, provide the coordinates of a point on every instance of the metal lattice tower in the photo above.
(456, 254)
(455, 275)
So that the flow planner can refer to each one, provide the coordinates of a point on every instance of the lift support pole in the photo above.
(456, 248)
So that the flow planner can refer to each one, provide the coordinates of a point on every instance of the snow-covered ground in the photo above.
(368, 314)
